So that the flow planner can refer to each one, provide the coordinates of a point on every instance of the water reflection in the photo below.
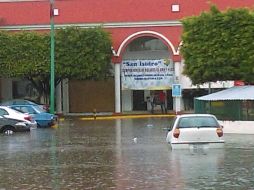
(197, 167)
(103, 155)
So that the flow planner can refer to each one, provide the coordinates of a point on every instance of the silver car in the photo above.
(12, 120)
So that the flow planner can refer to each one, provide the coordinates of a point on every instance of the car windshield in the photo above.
(197, 121)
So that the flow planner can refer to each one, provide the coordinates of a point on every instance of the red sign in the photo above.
(239, 83)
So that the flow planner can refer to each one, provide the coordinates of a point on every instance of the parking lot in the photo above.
(120, 154)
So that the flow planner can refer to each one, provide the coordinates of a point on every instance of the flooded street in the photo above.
(120, 154)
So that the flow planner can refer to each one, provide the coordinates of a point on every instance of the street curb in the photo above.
(111, 117)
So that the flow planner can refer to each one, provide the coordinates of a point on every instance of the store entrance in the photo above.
(139, 104)
(169, 100)
(139, 73)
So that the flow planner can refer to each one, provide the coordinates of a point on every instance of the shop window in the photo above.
(146, 44)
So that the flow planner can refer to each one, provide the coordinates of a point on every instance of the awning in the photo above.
(233, 93)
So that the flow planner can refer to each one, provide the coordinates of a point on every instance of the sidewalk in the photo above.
(110, 115)
(234, 127)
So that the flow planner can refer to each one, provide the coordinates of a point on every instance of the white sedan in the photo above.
(24, 121)
(190, 131)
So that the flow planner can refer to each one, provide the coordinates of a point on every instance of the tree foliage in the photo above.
(83, 54)
(79, 54)
(219, 46)
(25, 55)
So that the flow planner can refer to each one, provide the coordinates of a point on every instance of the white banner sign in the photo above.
(147, 74)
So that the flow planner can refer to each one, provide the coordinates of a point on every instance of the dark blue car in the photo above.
(43, 118)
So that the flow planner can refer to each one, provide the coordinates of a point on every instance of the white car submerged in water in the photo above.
(190, 131)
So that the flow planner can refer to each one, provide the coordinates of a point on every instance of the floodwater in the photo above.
(120, 154)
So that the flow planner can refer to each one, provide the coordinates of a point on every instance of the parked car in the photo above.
(43, 118)
(195, 131)
(24, 102)
(9, 126)
(13, 121)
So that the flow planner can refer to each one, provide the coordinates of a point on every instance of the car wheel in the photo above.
(8, 130)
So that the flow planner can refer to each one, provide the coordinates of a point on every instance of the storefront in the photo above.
(146, 38)
(147, 66)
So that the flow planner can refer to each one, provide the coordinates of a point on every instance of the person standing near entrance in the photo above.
(152, 101)
(162, 98)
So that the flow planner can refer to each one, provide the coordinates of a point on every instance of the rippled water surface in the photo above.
(120, 154)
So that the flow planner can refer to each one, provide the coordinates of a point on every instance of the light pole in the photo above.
(52, 58)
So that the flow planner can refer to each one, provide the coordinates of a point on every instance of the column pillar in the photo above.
(177, 80)
(65, 96)
(117, 66)
(59, 97)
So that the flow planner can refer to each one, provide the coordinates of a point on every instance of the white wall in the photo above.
(127, 100)
(238, 127)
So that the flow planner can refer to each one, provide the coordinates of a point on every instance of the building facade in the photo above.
(146, 38)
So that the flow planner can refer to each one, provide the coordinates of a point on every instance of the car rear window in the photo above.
(39, 109)
(194, 122)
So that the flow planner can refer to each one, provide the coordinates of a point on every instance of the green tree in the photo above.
(83, 53)
(79, 54)
(25, 55)
(219, 46)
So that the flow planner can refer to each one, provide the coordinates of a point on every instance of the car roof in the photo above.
(23, 105)
(9, 109)
(195, 115)
(18, 102)
(5, 107)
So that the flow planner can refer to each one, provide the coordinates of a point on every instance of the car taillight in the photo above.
(29, 118)
(176, 133)
(219, 132)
